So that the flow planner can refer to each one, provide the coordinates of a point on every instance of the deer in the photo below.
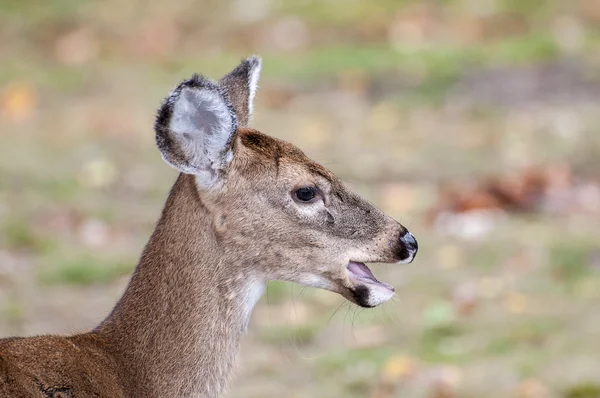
(245, 209)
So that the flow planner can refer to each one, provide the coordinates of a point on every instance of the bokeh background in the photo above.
(473, 122)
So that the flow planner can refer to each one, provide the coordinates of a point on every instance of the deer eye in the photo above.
(305, 194)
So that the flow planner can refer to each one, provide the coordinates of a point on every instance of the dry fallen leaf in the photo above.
(399, 367)
(19, 101)
(464, 298)
(444, 381)
(547, 188)
(415, 25)
(516, 303)
(531, 388)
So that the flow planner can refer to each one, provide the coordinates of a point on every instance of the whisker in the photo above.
(335, 312)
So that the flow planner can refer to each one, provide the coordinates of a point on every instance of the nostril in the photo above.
(409, 240)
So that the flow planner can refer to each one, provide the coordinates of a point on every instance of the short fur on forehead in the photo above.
(194, 129)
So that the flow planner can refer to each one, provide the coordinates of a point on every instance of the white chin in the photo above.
(379, 294)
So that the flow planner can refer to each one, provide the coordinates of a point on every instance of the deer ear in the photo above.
(241, 85)
(195, 127)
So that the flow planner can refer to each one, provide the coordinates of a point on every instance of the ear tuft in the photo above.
(241, 85)
(195, 127)
(254, 66)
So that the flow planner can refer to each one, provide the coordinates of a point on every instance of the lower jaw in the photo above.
(370, 295)
(384, 286)
(361, 274)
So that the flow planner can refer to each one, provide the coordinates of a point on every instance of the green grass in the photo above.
(589, 389)
(440, 344)
(40, 165)
(432, 70)
(50, 76)
(84, 269)
(278, 291)
(12, 311)
(18, 234)
(337, 361)
(569, 262)
(435, 61)
(331, 13)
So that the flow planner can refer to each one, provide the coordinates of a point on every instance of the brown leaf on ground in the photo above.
(548, 188)
(444, 382)
(399, 367)
(516, 303)
(532, 388)
(416, 24)
(464, 298)
(18, 102)
(590, 10)
(395, 370)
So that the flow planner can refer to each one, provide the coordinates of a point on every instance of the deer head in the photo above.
(285, 216)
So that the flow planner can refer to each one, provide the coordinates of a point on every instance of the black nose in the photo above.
(410, 242)
(408, 248)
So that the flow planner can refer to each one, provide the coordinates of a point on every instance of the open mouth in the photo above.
(359, 272)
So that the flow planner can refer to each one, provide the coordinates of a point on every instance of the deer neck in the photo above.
(180, 320)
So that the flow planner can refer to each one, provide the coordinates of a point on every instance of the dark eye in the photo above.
(305, 194)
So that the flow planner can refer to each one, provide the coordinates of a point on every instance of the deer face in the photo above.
(292, 218)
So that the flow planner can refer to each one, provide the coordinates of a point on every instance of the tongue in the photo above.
(362, 272)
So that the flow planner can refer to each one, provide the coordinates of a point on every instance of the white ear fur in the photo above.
(253, 83)
(194, 130)
(202, 118)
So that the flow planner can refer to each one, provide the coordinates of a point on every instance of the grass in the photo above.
(434, 68)
(569, 262)
(18, 234)
(12, 311)
(84, 269)
(583, 390)
(278, 291)
(440, 344)
(52, 76)
(437, 62)
(40, 167)
(338, 361)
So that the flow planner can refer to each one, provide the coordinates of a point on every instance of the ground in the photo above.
(402, 100)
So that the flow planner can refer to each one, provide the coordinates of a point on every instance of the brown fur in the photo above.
(175, 331)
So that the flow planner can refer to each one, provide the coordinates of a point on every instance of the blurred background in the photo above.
(473, 122)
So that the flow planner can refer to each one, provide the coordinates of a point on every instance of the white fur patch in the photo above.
(251, 295)
(315, 281)
(253, 85)
(378, 295)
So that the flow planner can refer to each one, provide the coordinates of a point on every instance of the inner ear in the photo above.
(240, 86)
(195, 128)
